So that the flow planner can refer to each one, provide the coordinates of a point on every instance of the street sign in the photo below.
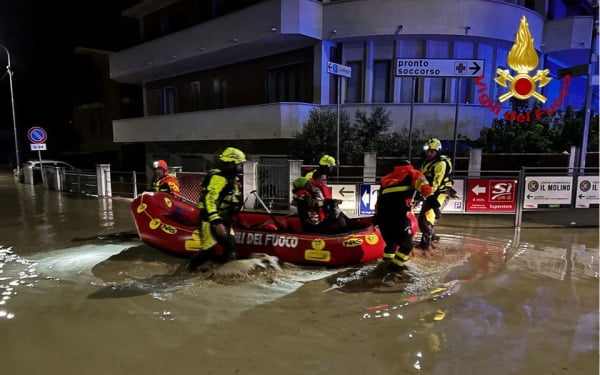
(548, 191)
(439, 68)
(346, 194)
(367, 199)
(37, 135)
(37, 146)
(491, 195)
(587, 192)
(339, 69)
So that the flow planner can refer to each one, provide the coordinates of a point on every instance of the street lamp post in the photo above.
(12, 101)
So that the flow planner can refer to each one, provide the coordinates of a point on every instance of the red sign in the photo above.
(491, 195)
(37, 135)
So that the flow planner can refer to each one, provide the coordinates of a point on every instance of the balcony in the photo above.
(268, 121)
(263, 29)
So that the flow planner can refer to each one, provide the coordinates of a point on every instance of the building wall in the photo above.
(231, 58)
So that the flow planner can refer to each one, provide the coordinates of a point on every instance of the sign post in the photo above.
(37, 136)
(340, 71)
(438, 68)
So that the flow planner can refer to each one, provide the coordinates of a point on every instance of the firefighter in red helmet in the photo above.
(162, 180)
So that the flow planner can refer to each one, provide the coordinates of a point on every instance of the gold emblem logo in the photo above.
(522, 58)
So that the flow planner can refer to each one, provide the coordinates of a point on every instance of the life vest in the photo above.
(439, 180)
(220, 197)
(167, 184)
(397, 191)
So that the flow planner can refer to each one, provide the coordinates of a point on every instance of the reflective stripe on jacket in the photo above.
(167, 184)
(220, 198)
(438, 172)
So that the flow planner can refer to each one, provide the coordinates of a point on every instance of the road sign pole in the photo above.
(456, 123)
(339, 99)
(412, 115)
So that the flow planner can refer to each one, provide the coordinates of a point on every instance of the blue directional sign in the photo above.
(339, 69)
(367, 199)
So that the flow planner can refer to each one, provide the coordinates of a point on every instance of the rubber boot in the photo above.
(197, 259)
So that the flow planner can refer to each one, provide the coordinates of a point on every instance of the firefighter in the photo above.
(162, 180)
(437, 168)
(326, 165)
(393, 212)
(220, 200)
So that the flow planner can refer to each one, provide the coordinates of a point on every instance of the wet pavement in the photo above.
(80, 294)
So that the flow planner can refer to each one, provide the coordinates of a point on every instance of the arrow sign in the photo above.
(475, 68)
(365, 198)
(438, 67)
(342, 191)
(478, 189)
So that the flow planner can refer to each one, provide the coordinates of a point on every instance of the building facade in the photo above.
(247, 73)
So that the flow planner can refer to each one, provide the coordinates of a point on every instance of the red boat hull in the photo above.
(169, 223)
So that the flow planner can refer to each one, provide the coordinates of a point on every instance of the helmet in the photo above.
(327, 161)
(160, 164)
(433, 144)
(233, 155)
(402, 163)
(300, 182)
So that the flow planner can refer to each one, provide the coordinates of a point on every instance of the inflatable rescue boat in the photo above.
(169, 223)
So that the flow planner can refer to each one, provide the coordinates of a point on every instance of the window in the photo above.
(439, 90)
(406, 92)
(381, 82)
(195, 98)
(354, 84)
(287, 84)
(220, 92)
(168, 101)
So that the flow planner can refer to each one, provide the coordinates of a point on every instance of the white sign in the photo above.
(346, 194)
(454, 204)
(38, 146)
(439, 68)
(587, 192)
(339, 69)
(550, 191)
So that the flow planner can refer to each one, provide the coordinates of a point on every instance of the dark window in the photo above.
(196, 99)
(287, 84)
(220, 92)
(168, 102)
(381, 82)
(354, 84)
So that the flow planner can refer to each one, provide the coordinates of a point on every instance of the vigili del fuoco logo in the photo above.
(522, 58)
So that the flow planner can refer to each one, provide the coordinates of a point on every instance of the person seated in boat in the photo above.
(331, 217)
(164, 181)
(394, 201)
(220, 201)
(326, 164)
(308, 208)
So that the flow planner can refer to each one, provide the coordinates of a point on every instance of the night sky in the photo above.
(41, 36)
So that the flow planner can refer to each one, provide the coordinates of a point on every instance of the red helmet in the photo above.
(160, 164)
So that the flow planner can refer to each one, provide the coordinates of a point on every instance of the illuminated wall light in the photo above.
(235, 40)
(274, 29)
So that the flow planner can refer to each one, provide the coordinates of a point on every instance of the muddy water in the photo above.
(77, 299)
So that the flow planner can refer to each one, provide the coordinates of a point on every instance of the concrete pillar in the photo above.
(250, 183)
(370, 168)
(61, 173)
(474, 162)
(103, 180)
(572, 160)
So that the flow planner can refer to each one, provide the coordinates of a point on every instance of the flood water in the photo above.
(80, 294)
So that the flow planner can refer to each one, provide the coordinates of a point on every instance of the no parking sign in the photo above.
(37, 136)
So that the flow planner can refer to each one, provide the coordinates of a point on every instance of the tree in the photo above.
(369, 133)
(545, 132)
